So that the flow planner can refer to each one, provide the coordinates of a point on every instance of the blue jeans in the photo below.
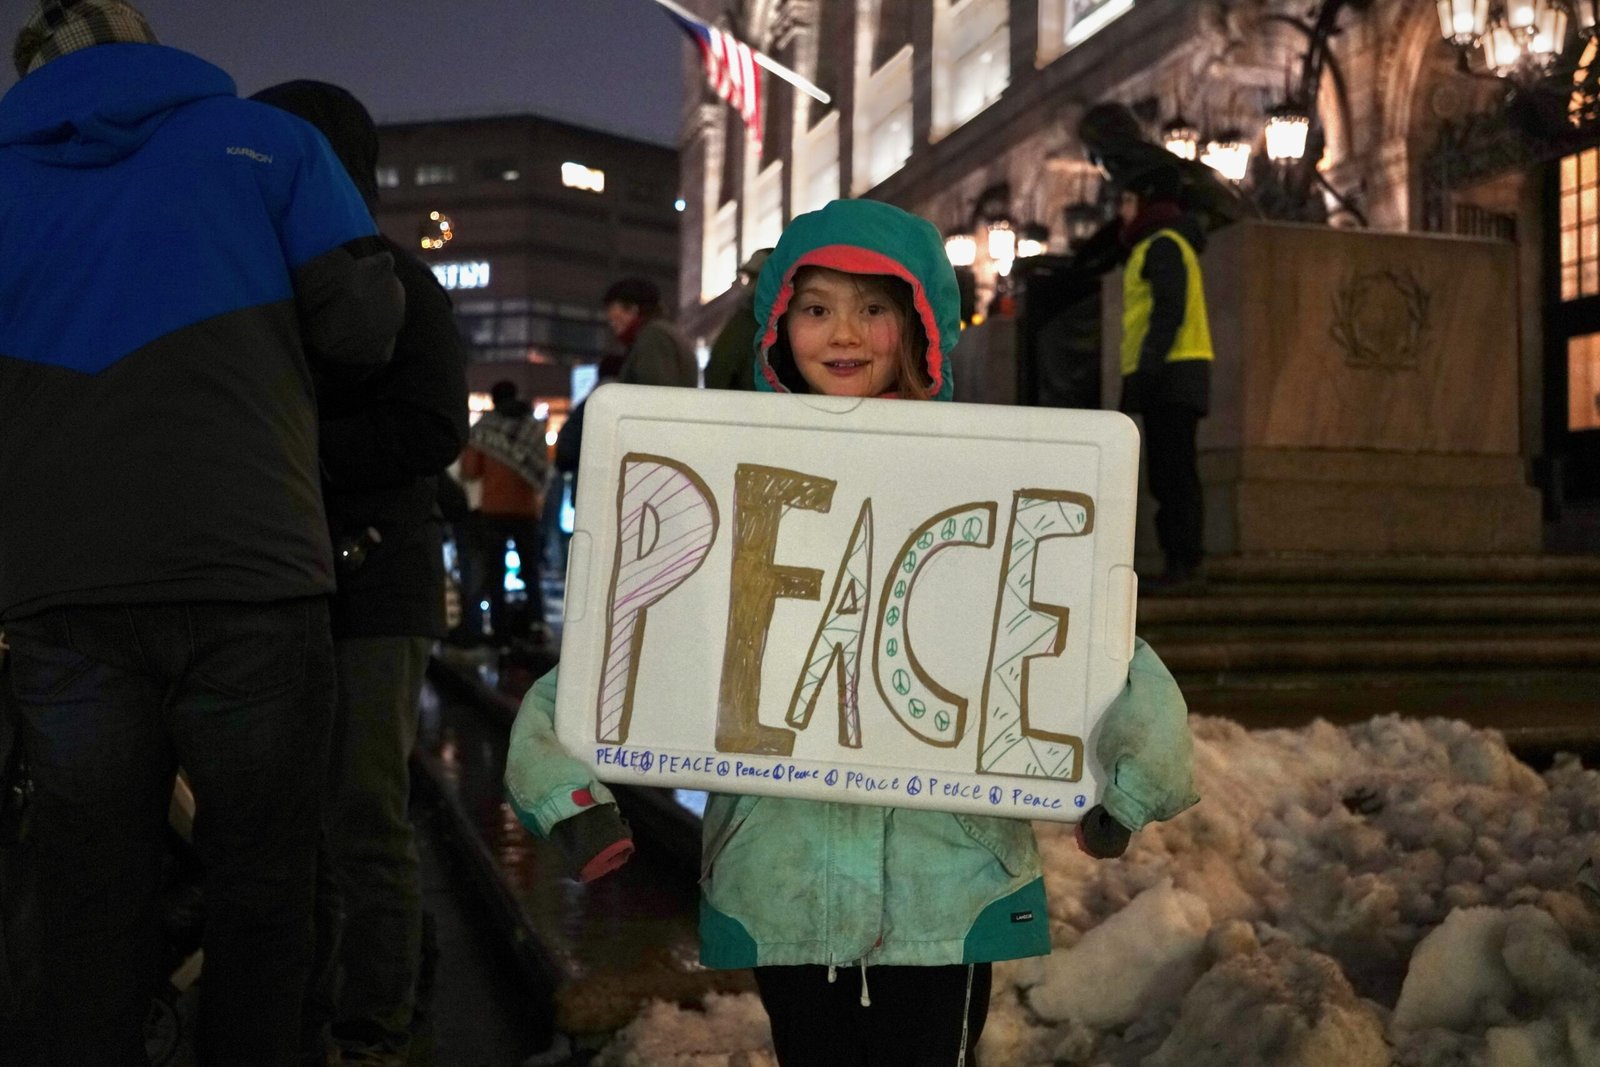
(113, 700)
(369, 894)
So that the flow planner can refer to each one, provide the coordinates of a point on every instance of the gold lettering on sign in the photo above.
(761, 497)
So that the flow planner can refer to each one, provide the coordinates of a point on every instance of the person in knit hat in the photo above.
(165, 564)
(60, 27)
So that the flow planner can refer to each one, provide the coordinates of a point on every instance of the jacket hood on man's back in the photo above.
(94, 107)
(862, 237)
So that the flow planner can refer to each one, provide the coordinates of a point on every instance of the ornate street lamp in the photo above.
(1520, 38)
(1288, 129)
(1464, 22)
(1228, 155)
(1182, 139)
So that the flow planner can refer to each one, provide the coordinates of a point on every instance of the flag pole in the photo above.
(761, 60)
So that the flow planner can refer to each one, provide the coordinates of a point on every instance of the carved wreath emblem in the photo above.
(1381, 319)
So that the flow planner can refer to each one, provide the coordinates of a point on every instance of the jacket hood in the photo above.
(860, 237)
(96, 106)
(341, 118)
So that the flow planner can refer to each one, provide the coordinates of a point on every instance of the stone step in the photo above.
(1426, 569)
(1372, 651)
(1331, 605)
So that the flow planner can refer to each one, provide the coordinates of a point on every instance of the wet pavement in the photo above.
(600, 952)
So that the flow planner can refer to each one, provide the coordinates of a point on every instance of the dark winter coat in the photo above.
(660, 355)
(177, 266)
(386, 440)
(384, 444)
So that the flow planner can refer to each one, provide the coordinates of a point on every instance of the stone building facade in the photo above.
(941, 107)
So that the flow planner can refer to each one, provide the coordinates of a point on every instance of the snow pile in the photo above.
(731, 1031)
(1395, 891)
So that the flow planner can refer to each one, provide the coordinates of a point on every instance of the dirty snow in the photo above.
(1396, 891)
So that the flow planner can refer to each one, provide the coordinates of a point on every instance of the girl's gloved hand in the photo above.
(1101, 836)
(595, 842)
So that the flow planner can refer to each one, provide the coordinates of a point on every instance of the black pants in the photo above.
(1169, 440)
(509, 622)
(112, 701)
(914, 1020)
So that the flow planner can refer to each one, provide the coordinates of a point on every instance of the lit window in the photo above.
(436, 174)
(719, 267)
(1085, 18)
(816, 178)
(436, 231)
(498, 170)
(578, 176)
(1580, 225)
(883, 124)
(972, 43)
(471, 275)
(764, 221)
(1583, 383)
(1064, 24)
(388, 177)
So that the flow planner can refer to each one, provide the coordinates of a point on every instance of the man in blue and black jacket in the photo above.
(179, 270)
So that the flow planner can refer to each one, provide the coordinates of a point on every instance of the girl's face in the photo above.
(846, 334)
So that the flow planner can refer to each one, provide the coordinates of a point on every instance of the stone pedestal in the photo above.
(1365, 395)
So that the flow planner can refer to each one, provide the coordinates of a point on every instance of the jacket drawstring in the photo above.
(866, 998)
(833, 974)
(966, 1018)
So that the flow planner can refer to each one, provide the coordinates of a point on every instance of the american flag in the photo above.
(731, 70)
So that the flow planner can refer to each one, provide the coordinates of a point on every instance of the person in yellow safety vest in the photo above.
(1166, 361)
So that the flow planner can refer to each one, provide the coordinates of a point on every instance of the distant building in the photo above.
(526, 220)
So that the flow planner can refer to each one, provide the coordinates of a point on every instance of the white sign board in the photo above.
(892, 602)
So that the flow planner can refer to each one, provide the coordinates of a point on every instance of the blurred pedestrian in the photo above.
(177, 268)
(655, 351)
(1166, 361)
(508, 455)
(733, 353)
(384, 442)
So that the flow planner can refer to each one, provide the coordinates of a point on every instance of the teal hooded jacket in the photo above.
(787, 881)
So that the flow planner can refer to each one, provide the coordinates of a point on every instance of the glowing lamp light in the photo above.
(962, 249)
(1228, 155)
(1288, 128)
(1548, 34)
(1034, 240)
(436, 231)
(1181, 138)
(1463, 22)
(1002, 241)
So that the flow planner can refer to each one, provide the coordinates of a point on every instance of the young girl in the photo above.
(859, 299)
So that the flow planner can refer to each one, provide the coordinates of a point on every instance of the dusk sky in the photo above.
(611, 64)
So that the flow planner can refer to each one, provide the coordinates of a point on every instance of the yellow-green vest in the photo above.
(1194, 335)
